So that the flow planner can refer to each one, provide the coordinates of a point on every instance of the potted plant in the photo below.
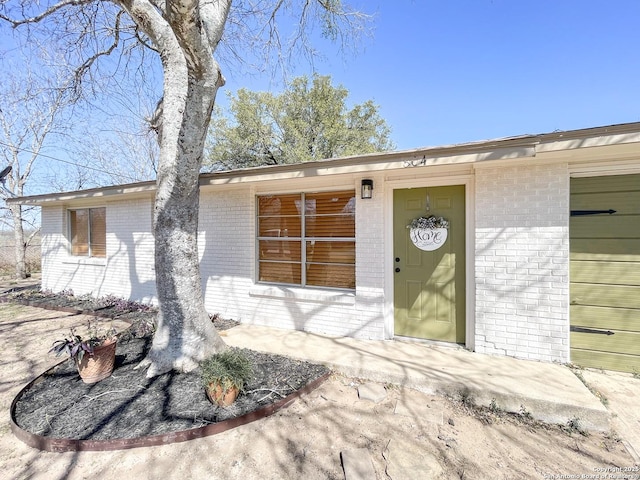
(94, 353)
(224, 376)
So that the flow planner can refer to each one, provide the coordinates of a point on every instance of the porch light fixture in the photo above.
(367, 188)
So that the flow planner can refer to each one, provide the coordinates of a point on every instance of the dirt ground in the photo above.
(407, 435)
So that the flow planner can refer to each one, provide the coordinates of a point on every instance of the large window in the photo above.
(88, 232)
(307, 239)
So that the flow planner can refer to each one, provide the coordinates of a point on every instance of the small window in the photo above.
(88, 231)
(310, 246)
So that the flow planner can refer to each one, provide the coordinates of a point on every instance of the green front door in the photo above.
(429, 286)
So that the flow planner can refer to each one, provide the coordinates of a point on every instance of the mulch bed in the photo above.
(128, 405)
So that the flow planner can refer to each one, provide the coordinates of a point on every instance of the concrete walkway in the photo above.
(549, 392)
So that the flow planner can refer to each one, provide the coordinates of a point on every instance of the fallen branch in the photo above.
(112, 391)
(266, 390)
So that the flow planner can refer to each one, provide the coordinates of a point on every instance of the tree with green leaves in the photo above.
(310, 120)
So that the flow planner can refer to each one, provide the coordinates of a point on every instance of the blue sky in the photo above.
(452, 71)
(455, 71)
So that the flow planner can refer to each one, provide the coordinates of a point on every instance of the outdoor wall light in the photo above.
(367, 188)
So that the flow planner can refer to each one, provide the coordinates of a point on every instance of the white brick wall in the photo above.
(227, 252)
(370, 263)
(54, 248)
(129, 254)
(130, 251)
(522, 262)
(226, 245)
(61, 270)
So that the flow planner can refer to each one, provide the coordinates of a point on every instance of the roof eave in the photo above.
(470, 152)
(94, 194)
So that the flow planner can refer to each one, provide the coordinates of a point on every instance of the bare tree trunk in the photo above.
(185, 332)
(185, 335)
(185, 34)
(20, 245)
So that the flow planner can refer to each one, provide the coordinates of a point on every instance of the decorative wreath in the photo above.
(429, 222)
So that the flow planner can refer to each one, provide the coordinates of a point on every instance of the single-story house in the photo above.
(533, 251)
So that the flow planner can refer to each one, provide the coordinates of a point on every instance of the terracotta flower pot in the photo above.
(221, 397)
(99, 365)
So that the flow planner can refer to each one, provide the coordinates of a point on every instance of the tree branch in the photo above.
(48, 12)
(33, 234)
(214, 19)
(86, 65)
(143, 41)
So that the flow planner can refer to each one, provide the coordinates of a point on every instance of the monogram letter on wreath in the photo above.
(428, 233)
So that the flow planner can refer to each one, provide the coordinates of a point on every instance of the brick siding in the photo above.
(522, 262)
(228, 264)
(129, 259)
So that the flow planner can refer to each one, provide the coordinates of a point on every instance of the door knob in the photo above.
(397, 259)
(397, 269)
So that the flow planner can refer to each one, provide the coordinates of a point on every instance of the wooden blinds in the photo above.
(79, 221)
(312, 245)
(98, 231)
(88, 228)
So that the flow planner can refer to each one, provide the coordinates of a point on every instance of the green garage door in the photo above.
(605, 272)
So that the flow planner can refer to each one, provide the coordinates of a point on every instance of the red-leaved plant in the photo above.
(75, 345)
